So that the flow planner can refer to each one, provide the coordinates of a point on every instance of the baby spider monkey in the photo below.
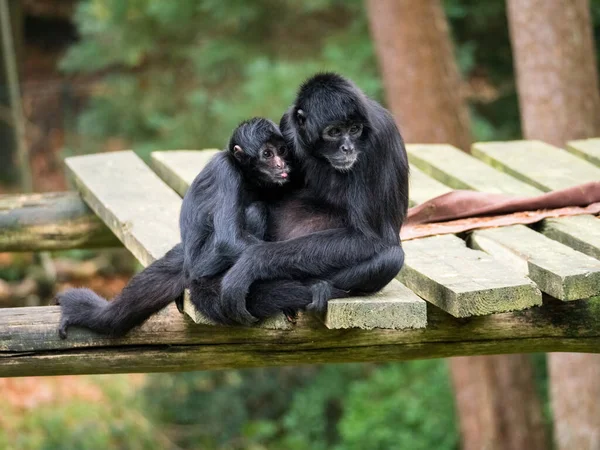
(225, 210)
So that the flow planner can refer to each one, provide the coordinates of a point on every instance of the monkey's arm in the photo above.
(317, 255)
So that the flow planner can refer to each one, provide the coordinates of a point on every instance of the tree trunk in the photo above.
(419, 71)
(496, 400)
(558, 89)
(8, 141)
(498, 404)
(555, 61)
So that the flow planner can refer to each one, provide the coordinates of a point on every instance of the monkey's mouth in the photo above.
(343, 164)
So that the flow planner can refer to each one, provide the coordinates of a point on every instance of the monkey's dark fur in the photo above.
(222, 213)
(338, 230)
(342, 226)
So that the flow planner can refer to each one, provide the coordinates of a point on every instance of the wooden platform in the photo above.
(511, 289)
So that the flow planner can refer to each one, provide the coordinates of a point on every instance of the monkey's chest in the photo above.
(295, 218)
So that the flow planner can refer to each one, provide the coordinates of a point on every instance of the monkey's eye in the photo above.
(282, 150)
(355, 129)
(334, 132)
(268, 154)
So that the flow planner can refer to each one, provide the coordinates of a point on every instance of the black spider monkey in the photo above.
(223, 212)
(342, 226)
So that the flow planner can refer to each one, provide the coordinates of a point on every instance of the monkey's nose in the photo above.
(345, 148)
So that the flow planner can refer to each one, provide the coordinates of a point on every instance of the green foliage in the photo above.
(353, 406)
(183, 74)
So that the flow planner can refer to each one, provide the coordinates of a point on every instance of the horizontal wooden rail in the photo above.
(29, 343)
(51, 221)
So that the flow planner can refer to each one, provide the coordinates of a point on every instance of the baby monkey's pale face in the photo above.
(271, 162)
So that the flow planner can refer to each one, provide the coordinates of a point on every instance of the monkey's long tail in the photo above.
(159, 284)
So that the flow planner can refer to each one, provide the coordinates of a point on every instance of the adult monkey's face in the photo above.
(336, 140)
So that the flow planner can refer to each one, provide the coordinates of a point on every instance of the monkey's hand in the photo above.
(321, 293)
(234, 288)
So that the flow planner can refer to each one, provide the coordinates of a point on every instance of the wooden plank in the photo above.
(548, 168)
(30, 346)
(50, 221)
(141, 210)
(558, 270)
(462, 281)
(461, 171)
(542, 165)
(450, 287)
(588, 149)
(423, 187)
(395, 307)
(579, 232)
(178, 168)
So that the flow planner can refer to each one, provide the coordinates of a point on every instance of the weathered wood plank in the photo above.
(450, 287)
(548, 168)
(579, 232)
(557, 269)
(50, 221)
(29, 343)
(141, 210)
(588, 149)
(461, 171)
(462, 281)
(395, 307)
(178, 168)
(542, 165)
(423, 187)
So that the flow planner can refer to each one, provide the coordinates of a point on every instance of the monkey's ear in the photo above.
(237, 150)
(301, 117)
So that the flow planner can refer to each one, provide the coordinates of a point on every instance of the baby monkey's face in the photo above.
(271, 163)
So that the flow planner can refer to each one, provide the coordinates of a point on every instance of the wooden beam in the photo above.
(51, 221)
(29, 342)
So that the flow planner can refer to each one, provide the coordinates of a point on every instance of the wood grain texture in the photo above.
(558, 270)
(29, 342)
(140, 209)
(462, 281)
